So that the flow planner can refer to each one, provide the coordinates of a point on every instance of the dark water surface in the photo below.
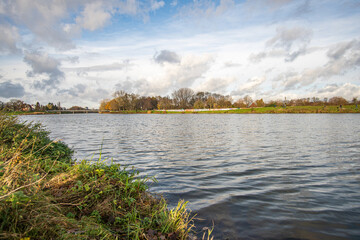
(294, 176)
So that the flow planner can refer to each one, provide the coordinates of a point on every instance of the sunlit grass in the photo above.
(44, 194)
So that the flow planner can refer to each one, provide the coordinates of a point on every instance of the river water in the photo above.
(291, 176)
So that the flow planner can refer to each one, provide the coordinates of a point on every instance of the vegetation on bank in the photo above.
(186, 98)
(45, 194)
(255, 110)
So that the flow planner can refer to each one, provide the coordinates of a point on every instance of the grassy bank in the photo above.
(44, 194)
(257, 110)
(292, 109)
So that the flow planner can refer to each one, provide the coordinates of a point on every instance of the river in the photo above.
(255, 176)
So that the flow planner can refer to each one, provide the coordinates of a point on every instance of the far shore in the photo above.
(255, 110)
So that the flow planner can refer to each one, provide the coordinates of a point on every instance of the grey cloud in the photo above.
(42, 63)
(49, 21)
(232, 64)
(329, 88)
(8, 38)
(342, 58)
(101, 68)
(42, 18)
(289, 43)
(286, 37)
(338, 50)
(166, 56)
(140, 86)
(9, 90)
(303, 8)
(74, 91)
(348, 90)
(74, 59)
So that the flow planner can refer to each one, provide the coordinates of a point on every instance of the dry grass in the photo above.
(44, 194)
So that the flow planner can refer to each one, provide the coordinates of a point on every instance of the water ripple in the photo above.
(255, 176)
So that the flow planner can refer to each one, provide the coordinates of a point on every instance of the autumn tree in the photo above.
(199, 104)
(211, 102)
(260, 103)
(164, 103)
(76, 108)
(240, 103)
(337, 101)
(247, 100)
(112, 105)
(103, 104)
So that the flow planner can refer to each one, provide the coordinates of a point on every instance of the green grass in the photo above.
(279, 110)
(45, 194)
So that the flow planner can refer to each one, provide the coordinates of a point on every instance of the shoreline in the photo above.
(257, 110)
(45, 193)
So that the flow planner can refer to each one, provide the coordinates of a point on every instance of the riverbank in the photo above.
(45, 194)
(257, 110)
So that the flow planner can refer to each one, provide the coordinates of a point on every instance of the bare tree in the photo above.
(183, 97)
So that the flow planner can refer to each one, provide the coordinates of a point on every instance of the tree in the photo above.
(183, 97)
(247, 100)
(103, 104)
(354, 100)
(14, 105)
(120, 98)
(164, 103)
(211, 102)
(199, 104)
(260, 103)
(37, 106)
(337, 101)
(50, 106)
(240, 103)
(76, 108)
(112, 105)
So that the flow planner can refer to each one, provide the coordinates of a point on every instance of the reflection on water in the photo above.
(256, 176)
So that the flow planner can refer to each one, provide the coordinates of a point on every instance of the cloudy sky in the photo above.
(79, 52)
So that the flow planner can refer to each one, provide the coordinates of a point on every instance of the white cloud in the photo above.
(156, 5)
(250, 87)
(93, 17)
(217, 85)
(100, 68)
(174, 3)
(190, 69)
(206, 8)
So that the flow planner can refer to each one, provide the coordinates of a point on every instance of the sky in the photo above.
(79, 52)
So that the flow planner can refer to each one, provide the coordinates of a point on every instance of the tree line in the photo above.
(186, 98)
(18, 105)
